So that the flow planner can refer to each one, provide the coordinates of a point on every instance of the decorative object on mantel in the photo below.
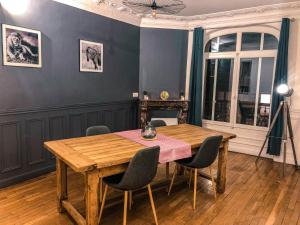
(164, 95)
(168, 7)
(145, 93)
(181, 96)
(146, 106)
(148, 132)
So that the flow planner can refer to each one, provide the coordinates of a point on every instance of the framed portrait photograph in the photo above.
(91, 56)
(21, 47)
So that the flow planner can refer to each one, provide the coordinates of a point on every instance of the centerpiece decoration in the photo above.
(149, 132)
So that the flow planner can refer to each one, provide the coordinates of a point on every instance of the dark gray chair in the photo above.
(97, 130)
(205, 157)
(140, 172)
(158, 123)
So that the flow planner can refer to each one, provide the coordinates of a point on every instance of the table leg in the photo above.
(222, 162)
(92, 196)
(61, 184)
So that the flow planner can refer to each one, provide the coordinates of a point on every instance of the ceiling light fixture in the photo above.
(154, 7)
(15, 7)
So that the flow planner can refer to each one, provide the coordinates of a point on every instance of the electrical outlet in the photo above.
(135, 94)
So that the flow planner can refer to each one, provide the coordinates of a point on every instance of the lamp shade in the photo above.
(265, 98)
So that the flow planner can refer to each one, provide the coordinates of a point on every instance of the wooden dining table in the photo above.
(108, 154)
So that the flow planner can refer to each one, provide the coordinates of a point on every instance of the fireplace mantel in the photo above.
(146, 106)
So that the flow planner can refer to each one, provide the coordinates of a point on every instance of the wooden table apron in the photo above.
(95, 158)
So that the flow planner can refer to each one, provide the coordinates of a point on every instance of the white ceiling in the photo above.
(200, 7)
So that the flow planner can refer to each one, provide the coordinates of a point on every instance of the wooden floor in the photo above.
(252, 197)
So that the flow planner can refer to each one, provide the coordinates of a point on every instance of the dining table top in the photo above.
(107, 150)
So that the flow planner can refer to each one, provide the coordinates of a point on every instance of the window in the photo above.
(239, 71)
(251, 41)
(218, 89)
(225, 43)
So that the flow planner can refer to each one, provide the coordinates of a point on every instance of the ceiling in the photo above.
(200, 7)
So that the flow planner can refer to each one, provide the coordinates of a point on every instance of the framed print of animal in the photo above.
(21, 47)
(91, 56)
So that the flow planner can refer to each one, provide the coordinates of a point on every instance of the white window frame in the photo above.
(236, 56)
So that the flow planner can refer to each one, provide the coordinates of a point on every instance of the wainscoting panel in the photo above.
(35, 136)
(23, 132)
(10, 154)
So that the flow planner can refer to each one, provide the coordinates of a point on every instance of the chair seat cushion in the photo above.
(185, 162)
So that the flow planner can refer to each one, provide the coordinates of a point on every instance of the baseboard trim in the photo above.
(26, 176)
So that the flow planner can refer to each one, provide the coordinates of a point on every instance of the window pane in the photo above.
(226, 43)
(247, 91)
(265, 88)
(251, 41)
(212, 45)
(209, 88)
(223, 90)
(270, 42)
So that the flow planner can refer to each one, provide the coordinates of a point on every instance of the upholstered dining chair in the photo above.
(158, 123)
(140, 172)
(97, 130)
(204, 158)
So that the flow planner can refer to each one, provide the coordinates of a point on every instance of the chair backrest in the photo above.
(141, 169)
(207, 152)
(96, 130)
(158, 123)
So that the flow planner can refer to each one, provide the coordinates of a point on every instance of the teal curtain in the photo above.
(195, 91)
(274, 144)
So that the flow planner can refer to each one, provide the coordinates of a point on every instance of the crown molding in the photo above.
(106, 10)
(247, 16)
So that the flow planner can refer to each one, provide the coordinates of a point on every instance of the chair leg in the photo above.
(167, 170)
(130, 200)
(173, 178)
(152, 204)
(195, 189)
(103, 202)
(213, 182)
(190, 181)
(125, 207)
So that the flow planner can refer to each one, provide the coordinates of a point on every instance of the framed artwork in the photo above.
(91, 56)
(21, 47)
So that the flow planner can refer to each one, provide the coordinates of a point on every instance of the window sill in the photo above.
(239, 126)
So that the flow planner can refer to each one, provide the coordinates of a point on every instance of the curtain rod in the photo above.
(250, 24)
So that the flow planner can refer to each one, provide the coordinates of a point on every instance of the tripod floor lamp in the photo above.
(284, 108)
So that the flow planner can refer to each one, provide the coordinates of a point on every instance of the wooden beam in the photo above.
(61, 184)
(92, 196)
(222, 163)
(74, 213)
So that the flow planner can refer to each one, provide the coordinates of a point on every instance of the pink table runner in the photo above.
(170, 149)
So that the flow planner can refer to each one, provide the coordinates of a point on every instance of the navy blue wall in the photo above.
(163, 56)
(59, 81)
(57, 101)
